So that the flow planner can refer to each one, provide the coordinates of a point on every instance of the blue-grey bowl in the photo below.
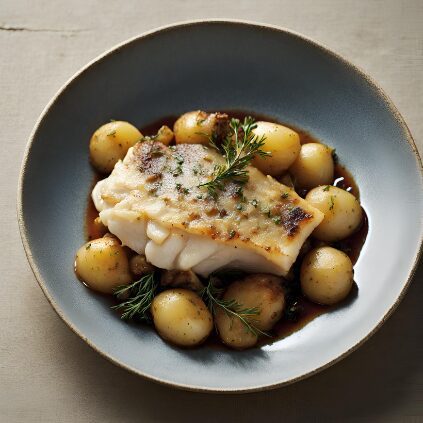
(224, 65)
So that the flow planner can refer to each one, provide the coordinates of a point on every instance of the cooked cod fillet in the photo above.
(153, 203)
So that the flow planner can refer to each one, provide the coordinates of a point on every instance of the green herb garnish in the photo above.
(179, 162)
(326, 188)
(179, 159)
(266, 211)
(212, 295)
(156, 150)
(138, 298)
(238, 148)
(277, 220)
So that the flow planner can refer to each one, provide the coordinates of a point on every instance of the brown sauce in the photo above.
(308, 312)
(299, 311)
(92, 231)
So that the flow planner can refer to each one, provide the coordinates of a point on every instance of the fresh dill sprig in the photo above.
(212, 295)
(239, 148)
(138, 297)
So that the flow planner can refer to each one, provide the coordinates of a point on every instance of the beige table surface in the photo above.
(47, 374)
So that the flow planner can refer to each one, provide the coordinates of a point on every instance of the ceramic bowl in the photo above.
(222, 65)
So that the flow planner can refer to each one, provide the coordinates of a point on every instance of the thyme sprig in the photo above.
(238, 148)
(138, 297)
(212, 296)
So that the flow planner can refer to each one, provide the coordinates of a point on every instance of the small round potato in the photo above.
(164, 135)
(313, 167)
(342, 212)
(326, 275)
(181, 317)
(139, 265)
(283, 144)
(260, 290)
(194, 127)
(102, 264)
(110, 143)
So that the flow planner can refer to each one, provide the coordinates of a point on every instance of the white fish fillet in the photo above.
(153, 203)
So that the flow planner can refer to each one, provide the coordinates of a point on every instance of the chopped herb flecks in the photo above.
(239, 148)
(178, 169)
(138, 297)
(212, 295)
(332, 202)
(277, 220)
(266, 211)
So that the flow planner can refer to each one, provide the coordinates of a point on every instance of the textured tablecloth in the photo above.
(47, 374)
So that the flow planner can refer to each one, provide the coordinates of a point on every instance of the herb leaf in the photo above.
(138, 298)
(239, 148)
(212, 295)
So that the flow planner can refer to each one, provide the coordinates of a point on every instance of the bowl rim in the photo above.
(154, 32)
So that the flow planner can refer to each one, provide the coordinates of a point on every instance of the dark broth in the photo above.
(92, 231)
(306, 311)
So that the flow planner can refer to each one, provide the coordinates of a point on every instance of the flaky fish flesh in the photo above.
(153, 202)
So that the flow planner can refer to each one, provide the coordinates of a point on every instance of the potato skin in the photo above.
(233, 332)
(326, 275)
(191, 127)
(282, 142)
(258, 290)
(110, 143)
(102, 264)
(164, 135)
(343, 213)
(313, 167)
(181, 317)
